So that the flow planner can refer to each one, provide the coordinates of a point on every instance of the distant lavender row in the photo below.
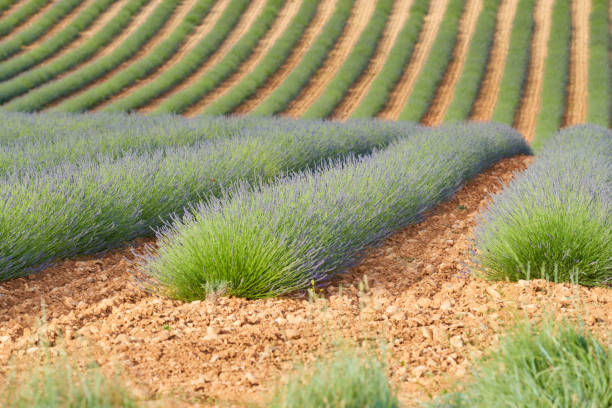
(95, 203)
(306, 227)
(554, 221)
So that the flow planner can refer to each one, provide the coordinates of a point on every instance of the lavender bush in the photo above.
(92, 202)
(554, 221)
(308, 226)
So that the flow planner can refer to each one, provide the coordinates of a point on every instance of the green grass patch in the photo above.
(552, 364)
(20, 15)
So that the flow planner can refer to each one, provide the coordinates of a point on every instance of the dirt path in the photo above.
(489, 89)
(285, 15)
(198, 34)
(360, 16)
(525, 121)
(577, 87)
(169, 26)
(254, 9)
(446, 89)
(433, 315)
(397, 19)
(62, 24)
(427, 36)
(324, 12)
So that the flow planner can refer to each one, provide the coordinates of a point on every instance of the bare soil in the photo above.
(30, 20)
(325, 10)
(446, 89)
(199, 33)
(420, 299)
(395, 24)
(489, 89)
(525, 121)
(12, 8)
(360, 17)
(403, 89)
(254, 9)
(282, 22)
(577, 87)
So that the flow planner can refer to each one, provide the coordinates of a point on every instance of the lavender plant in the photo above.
(307, 227)
(92, 204)
(554, 221)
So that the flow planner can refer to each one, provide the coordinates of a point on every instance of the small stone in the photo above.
(429, 268)
(439, 334)
(426, 332)
(251, 379)
(292, 334)
(418, 371)
(214, 358)
(398, 316)
(446, 305)
(391, 310)
(211, 333)
(450, 242)
(456, 341)
(424, 302)
(524, 283)
(281, 321)
(494, 294)
(5, 339)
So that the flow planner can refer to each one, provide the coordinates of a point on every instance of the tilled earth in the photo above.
(414, 292)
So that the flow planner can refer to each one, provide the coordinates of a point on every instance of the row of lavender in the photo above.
(270, 239)
(554, 221)
(75, 184)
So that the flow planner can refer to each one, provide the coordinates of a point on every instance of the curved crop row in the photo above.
(23, 62)
(35, 77)
(433, 71)
(475, 65)
(553, 97)
(189, 64)
(9, 23)
(517, 64)
(399, 57)
(5, 5)
(554, 221)
(31, 143)
(272, 61)
(312, 60)
(599, 106)
(182, 100)
(141, 68)
(354, 65)
(305, 228)
(15, 43)
(92, 205)
(40, 97)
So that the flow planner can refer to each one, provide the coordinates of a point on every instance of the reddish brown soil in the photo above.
(577, 87)
(324, 11)
(403, 89)
(525, 121)
(254, 9)
(15, 6)
(489, 89)
(166, 30)
(397, 19)
(435, 316)
(199, 33)
(360, 17)
(446, 90)
(278, 28)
